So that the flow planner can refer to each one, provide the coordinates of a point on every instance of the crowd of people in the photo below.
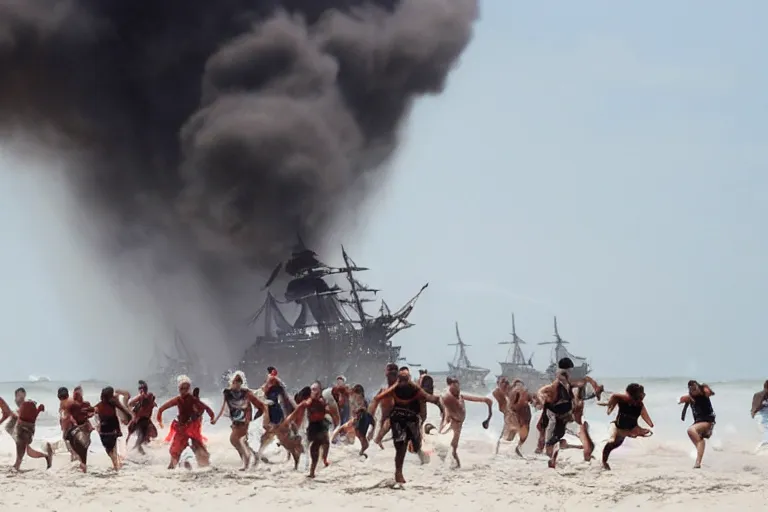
(310, 421)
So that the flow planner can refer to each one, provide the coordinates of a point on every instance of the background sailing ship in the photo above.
(332, 334)
(516, 366)
(581, 367)
(469, 375)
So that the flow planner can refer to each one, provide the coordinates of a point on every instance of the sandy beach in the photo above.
(485, 483)
(648, 474)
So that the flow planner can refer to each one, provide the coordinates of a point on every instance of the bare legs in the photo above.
(611, 445)
(23, 448)
(385, 426)
(456, 427)
(237, 439)
(401, 448)
(314, 453)
(698, 433)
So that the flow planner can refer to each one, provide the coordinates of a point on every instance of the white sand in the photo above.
(647, 475)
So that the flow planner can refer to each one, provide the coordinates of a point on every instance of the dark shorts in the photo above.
(405, 427)
(144, 428)
(363, 423)
(317, 431)
(79, 439)
(276, 414)
(555, 429)
(109, 441)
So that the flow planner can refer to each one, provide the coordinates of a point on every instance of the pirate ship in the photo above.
(581, 366)
(516, 366)
(470, 376)
(332, 334)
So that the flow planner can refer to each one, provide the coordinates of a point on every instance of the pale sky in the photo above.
(603, 162)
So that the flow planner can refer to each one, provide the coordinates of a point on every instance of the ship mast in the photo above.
(357, 301)
(558, 343)
(515, 354)
(460, 359)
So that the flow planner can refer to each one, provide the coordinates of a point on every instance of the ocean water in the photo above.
(735, 431)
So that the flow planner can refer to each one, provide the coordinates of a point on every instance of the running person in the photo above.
(698, 399)
(631, 408)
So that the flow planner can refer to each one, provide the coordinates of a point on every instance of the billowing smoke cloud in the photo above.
(222, 128)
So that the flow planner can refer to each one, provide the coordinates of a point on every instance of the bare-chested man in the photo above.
(386, 404)
(74, 418)
(514, 402)
(631, 409)
(187, 429)
(404, 417)
(698, 399)
(23, 422)
(456, 412)
(240, 400)
(317, 429)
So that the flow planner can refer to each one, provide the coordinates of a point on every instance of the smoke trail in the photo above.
(211, 133)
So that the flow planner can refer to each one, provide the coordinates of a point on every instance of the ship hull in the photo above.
(469, 378)
(531, 377)
(302, 361)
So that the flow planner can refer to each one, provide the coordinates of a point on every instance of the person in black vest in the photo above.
(404, 417)
(631, 409)
(698, 399)
(541, 425)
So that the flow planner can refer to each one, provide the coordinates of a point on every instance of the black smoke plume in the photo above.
(224, 127)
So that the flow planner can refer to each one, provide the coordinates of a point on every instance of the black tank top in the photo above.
(563, 403)
(701, 407)
(628, 414)
(405, 399)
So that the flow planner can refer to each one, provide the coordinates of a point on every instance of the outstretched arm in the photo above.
(173, 402)
(581, 384)
(221, 412)
(486, 401)
(207, 409)
(646, 417)
(123, 396)
(338, 429)
(381, 396)
(613, 401)
(298, 410)
(687, 403)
